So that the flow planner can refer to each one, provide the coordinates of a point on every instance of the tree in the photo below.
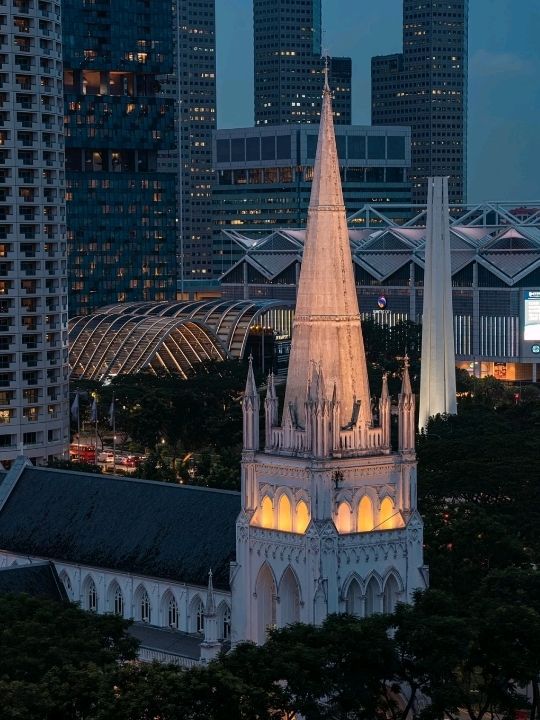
(56, 659)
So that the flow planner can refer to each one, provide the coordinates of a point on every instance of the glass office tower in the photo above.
(121, 204)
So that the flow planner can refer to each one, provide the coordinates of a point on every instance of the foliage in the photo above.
(55, 659)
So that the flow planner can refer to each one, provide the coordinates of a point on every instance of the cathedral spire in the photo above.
(210, 646)
(327, 332)
(250, 411)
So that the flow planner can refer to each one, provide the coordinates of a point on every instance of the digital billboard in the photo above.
(531, 315)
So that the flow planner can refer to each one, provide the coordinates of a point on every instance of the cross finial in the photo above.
(326, 69)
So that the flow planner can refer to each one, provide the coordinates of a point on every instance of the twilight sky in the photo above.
(504, 80)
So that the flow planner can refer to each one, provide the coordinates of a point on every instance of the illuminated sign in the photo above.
(531, 315)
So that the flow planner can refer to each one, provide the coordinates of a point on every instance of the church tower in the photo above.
(328, 520)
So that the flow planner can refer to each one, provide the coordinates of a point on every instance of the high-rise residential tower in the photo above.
(426, 87)
(121, 205)
(193, 88)
(34, 374)
(288, 65)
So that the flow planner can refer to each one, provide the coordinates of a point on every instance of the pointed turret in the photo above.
(384, 413)
(250, 409)
(327, 328)
(210, 647)
(406, 408)
(270, 409)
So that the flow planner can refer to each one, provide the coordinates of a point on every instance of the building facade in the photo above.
(121, 204)
(425, 87)
(328, 521)
(192, 87)
(495, 266)
(34, 370)
(264, 177)
(288, 66)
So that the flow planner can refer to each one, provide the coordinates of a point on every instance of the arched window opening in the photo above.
(91, 596)
(265, 590)
(267, 513)
(390, 595)
(302, 517)
(226, 623)
(118, 607)
(365, 515)
(172, 612)
(372, 597)
(343, 520)
(284, 514)
(388, 516)
(353, 601)
(145, 609)
(200, 617)
(67, 584)
(289, 598)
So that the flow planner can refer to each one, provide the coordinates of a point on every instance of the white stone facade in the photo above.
(34, 371)
(329, 521)
(159, 603)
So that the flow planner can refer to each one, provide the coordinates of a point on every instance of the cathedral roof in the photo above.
(162, 530)
(39, 580)
(326, 332)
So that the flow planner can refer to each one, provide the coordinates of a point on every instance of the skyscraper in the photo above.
(121, 207)
(426, 87)
(193, 88)
(34, 417)
(288, 65)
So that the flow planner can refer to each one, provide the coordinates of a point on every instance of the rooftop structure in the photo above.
(265, 175)
(495, 261)
(172, 337)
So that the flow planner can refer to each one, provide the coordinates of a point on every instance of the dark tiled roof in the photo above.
(143, 527)
(38, 580)
(167, 641)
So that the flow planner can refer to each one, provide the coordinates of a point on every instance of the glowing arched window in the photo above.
(388, 518)
(302, 517)
(267, 513)
(344, 518)
(284, 514)
(365, 515)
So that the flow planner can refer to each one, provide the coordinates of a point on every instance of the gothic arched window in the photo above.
(226, 623)
(200, 617)
(343, 520)
(353, 601)
(390, 594)
(91, 596)
(302, 517)
(145, 608)
(365, 515)
(284, 514)
(267, 513)
(172, 612)
(388, 518)
(118, 602)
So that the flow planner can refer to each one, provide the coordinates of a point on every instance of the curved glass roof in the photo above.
(162, 336)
